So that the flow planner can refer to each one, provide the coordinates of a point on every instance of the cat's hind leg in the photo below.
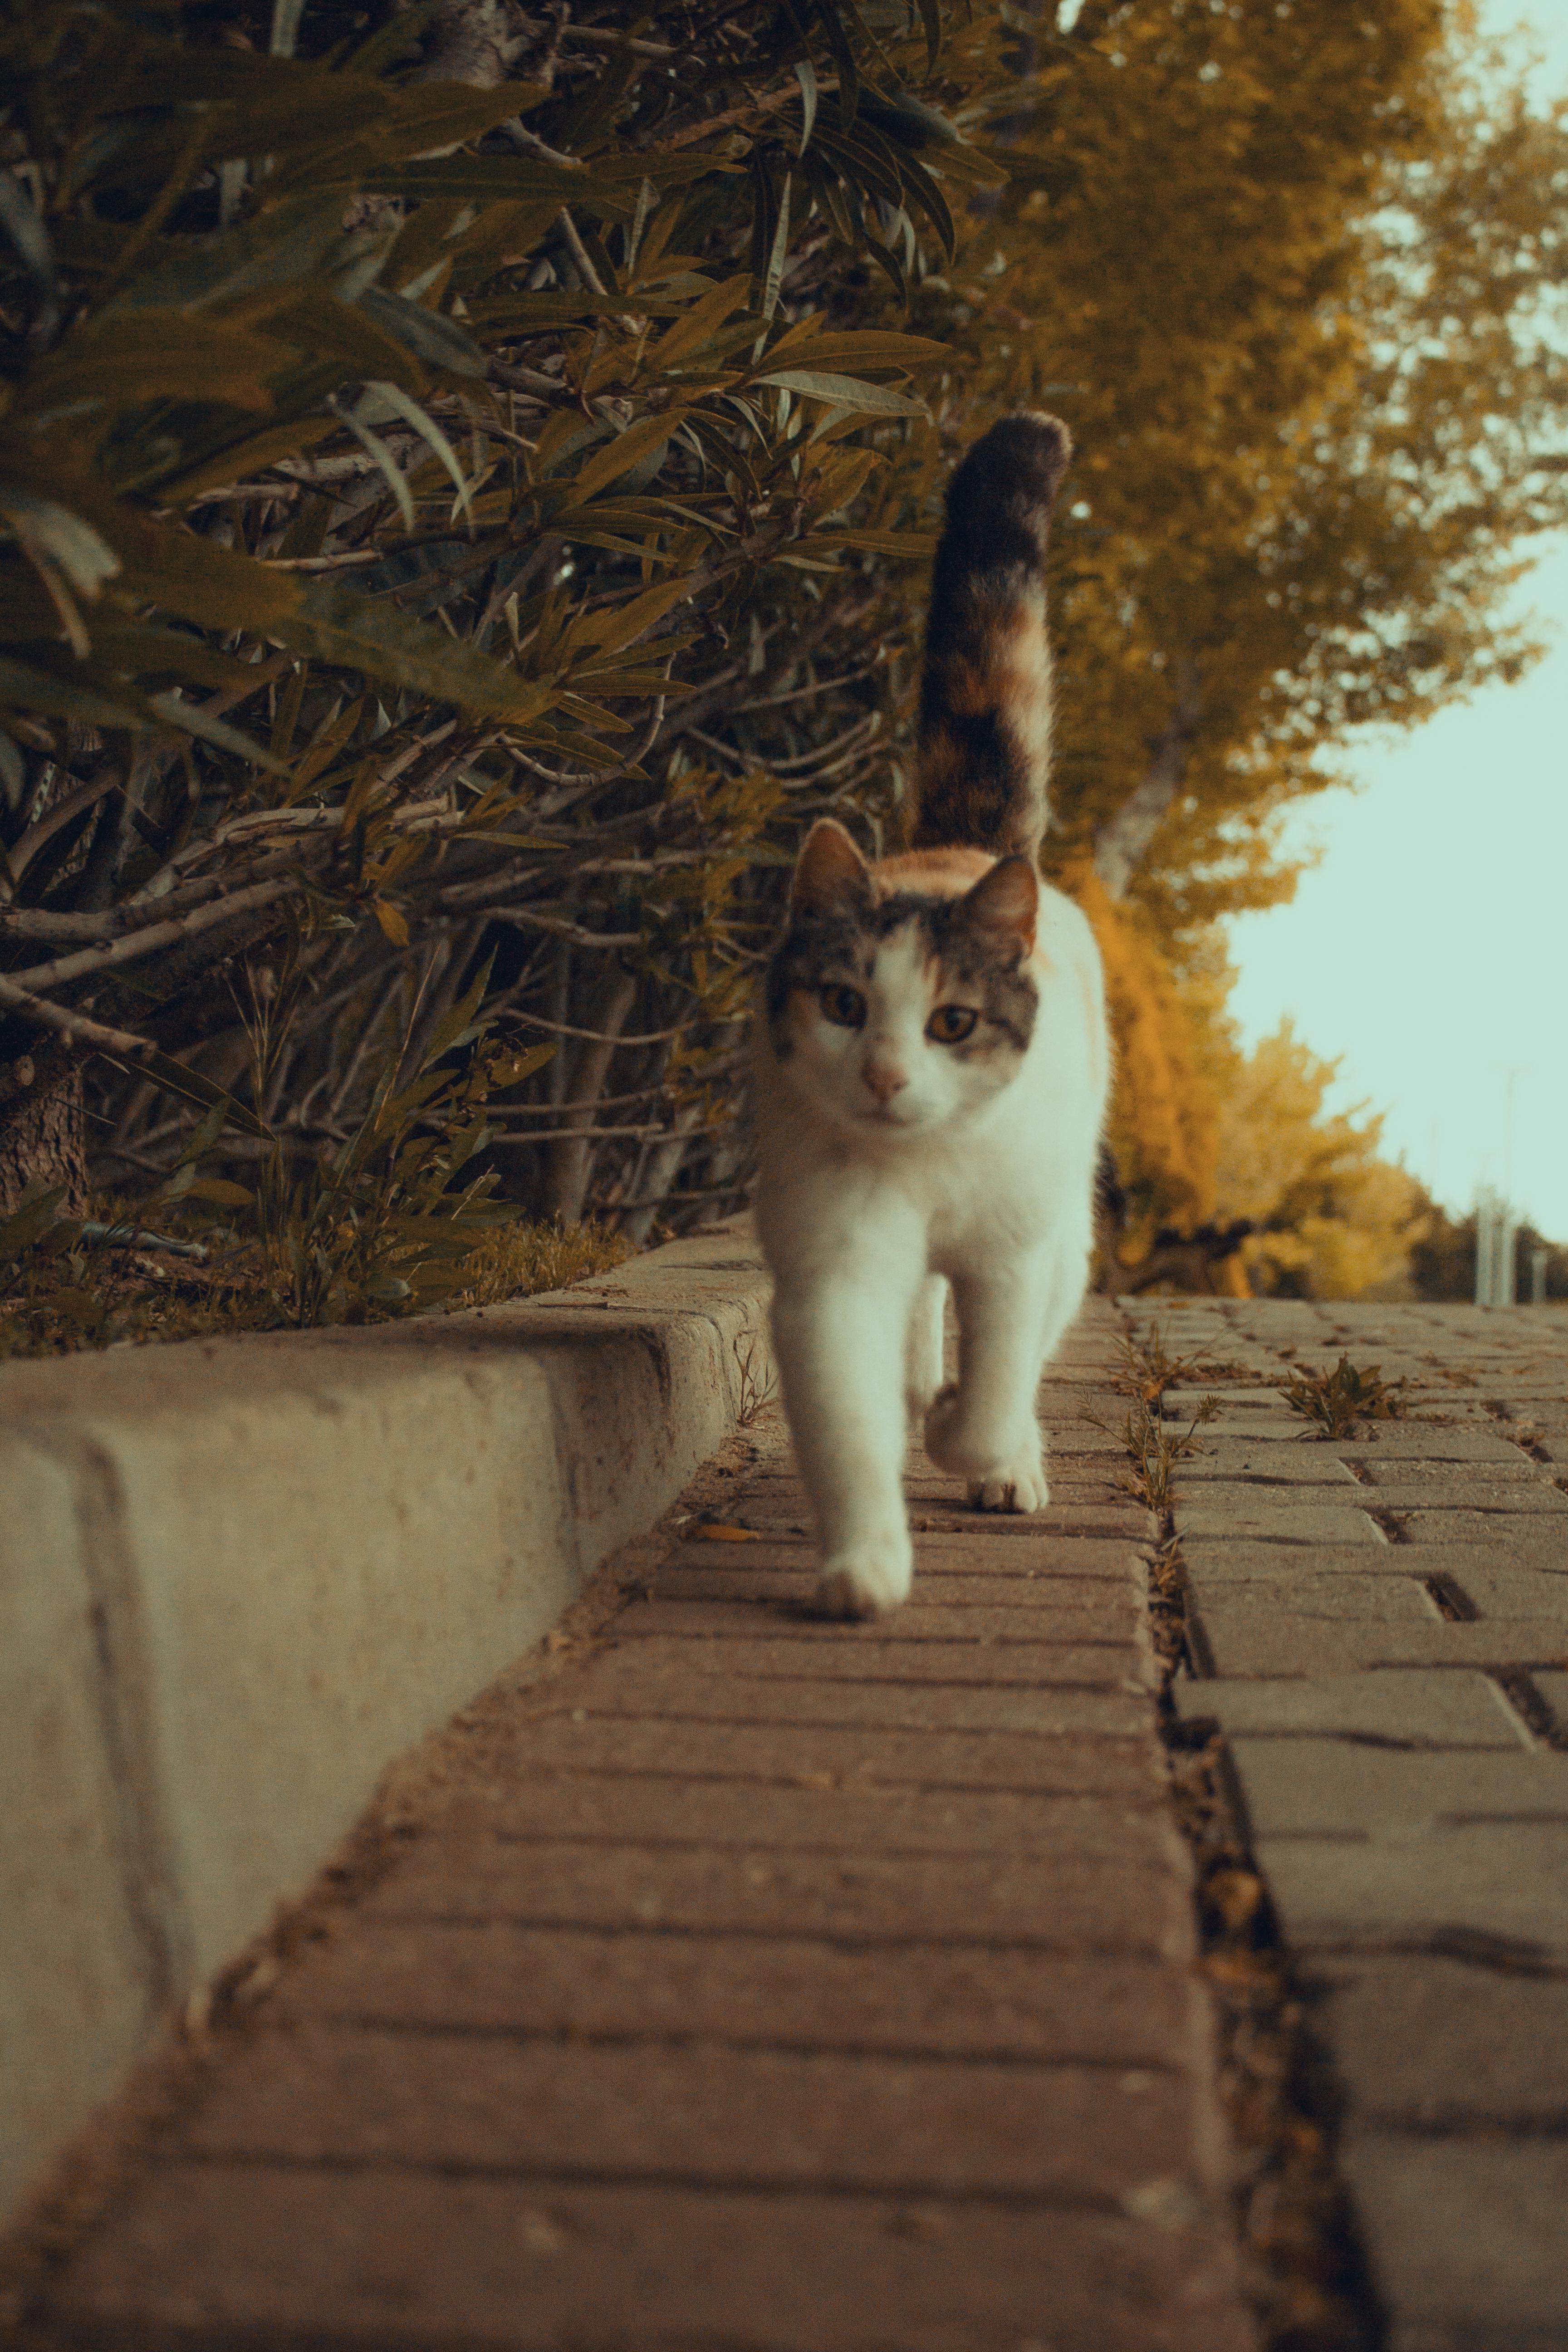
(841, 1335)
(923, 1361)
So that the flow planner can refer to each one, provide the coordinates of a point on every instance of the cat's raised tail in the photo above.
(984, 765)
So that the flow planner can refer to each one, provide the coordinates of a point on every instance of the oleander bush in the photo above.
(466, 471)
(463, 480)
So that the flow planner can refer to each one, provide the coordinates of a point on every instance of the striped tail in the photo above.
(984, 756)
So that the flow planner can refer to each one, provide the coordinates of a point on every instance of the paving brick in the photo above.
(1444, 2045)
(1446, 1482)
(1254, 1562)
(1499, 1526)
(1001, 1545)
(701, 2116)
(1337, 1788)
(423, 2265)
(1505, 1497)
(1424, 1441)
(919, 1620)
(1274, 1641)
(1237, 1399)
(1436, 1707)
(1257, 1423)
(1245, 1512)
(865, 1654)
(1081, 1611)
(821, 1817)
(1465, 2240)
(1507, 1590)
(1262, 1464)
(631, 1682)
(1383, 1598)
(1051, 1902)
(783, 1992)
(582, 1741)
(1499, 1888)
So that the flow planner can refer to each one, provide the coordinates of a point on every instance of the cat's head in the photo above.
(901, 997)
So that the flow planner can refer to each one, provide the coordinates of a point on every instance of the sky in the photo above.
(1428, 951)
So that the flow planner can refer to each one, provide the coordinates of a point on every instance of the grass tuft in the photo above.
(515, 1261)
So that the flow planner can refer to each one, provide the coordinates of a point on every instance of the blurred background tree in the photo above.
(1295, 274)
(469, 472)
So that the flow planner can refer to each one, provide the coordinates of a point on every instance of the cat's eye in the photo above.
(949, 1025)
(845, 1007)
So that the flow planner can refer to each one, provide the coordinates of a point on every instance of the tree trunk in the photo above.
(42, 1132)
(1119, 844)
(568, 1162)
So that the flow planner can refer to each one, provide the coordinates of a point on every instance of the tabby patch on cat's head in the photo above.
(900, 996)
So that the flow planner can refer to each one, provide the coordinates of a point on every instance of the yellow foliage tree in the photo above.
(1164, 1118)
(1336, 1218)
(1290, 274)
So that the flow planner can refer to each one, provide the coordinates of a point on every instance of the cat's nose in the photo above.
(885, 1079)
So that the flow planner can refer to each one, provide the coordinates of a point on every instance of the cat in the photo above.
(930, 1067)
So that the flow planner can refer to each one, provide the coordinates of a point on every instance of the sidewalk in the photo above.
(738, 1980)
(1380, 1627)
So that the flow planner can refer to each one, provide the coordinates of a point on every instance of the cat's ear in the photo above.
(1005, 907)
(830, 870)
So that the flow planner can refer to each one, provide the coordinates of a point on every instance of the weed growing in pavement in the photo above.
(1335, 1402)
(757, 1389)
(1156, 1448)
(1149, 1368)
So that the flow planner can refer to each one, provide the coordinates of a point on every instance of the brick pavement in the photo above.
(1380, 1627)
(737, 1981)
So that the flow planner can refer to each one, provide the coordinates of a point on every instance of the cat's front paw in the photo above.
(1018, 1486)
(865, 1582)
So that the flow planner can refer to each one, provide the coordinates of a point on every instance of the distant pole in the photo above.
(1510, 1077)
(1484, 1223)
(1538, 1257)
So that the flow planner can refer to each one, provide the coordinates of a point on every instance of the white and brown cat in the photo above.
(932, 1073)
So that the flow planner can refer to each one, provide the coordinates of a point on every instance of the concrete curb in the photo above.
(238, 1577)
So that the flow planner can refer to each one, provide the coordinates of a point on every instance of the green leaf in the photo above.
(192, 719)
(607, 633)
(495, 179)
(333, 624)
(699, 325)
(28, 1223)
(619, 456)
(806, 74)
(439, 342)
(378, 448)
(219, 1188)
(63, 537)
(869, 350)
(845, 392)
(915, 546)
(26, 688)
(191, 1086)
(429, 432)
